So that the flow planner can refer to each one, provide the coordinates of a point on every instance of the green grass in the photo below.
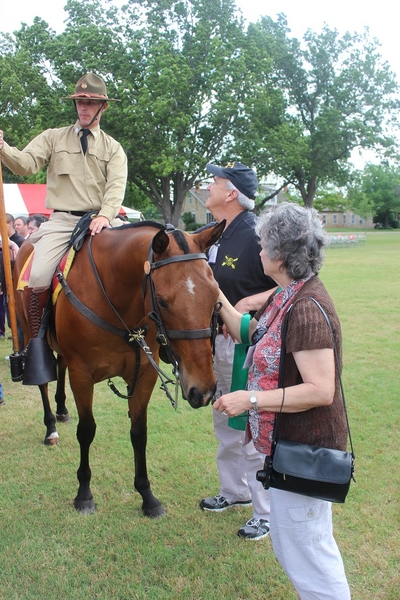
(47, 550)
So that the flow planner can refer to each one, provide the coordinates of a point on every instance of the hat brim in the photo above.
(215, 170)
(89, 97)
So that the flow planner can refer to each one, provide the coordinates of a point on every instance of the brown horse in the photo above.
(133, 279)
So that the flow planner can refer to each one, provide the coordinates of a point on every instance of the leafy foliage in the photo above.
(339, 95)
(377, 192)
(195, 86)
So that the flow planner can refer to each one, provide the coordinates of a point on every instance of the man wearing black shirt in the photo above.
(240, 275)
(12, 234)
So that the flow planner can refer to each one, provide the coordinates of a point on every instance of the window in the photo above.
(344, 218)
(324, 219)
(210, 218)
(361, 221)
(352, 218)
(335, 219)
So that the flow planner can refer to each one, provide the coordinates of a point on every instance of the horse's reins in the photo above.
(136, 338)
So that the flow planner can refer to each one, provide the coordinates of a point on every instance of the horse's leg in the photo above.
(151, 506)
(62, 413)
(85, 432)
(51, 438)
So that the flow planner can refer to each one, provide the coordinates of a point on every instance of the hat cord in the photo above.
(95, 116)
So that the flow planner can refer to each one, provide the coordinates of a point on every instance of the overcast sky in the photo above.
(381, 17)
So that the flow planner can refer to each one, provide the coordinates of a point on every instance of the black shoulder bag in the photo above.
(314, 471)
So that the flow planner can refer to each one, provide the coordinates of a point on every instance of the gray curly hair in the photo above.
(295, 235)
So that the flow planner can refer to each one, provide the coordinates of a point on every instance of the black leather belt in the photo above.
(75, 213)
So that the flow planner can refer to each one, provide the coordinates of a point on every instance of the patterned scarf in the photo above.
(264, 370)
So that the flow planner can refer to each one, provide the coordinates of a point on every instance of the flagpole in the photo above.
(7, 267)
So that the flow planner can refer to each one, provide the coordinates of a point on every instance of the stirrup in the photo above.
(40, 363)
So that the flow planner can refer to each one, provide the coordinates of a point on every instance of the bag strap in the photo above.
(281, 366)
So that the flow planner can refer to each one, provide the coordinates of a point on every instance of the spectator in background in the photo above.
(13, 235)
(16, 241)
(3, 289)
(21, 227)
(34, 222)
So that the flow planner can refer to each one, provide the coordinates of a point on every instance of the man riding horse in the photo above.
(87, 171)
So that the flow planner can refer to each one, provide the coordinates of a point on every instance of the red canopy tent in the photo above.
(26, 199)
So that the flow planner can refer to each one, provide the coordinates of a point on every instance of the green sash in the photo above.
(239, 374)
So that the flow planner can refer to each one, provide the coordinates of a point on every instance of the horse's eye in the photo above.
(162, 303)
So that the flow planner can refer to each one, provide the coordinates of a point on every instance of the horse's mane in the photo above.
(141, 224)
(177, 233)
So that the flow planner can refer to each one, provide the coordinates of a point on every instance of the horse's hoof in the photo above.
(52, 440)
(85, 507)
(63, 418)
(155, 513)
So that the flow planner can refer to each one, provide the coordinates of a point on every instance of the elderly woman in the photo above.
(292, 239)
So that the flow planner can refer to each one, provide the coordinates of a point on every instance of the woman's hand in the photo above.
(233, 404)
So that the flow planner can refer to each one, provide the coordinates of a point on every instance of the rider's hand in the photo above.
(98, 224)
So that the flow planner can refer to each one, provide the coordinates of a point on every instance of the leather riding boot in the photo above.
(40, 366)
(35, 301)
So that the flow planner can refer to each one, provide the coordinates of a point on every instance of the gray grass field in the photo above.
(47, 550)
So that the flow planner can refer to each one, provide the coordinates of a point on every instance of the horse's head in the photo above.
(184, 293)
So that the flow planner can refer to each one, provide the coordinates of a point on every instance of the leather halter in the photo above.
(164, 335)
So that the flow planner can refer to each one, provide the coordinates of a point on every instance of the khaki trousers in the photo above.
(237, 462)
(50, 243)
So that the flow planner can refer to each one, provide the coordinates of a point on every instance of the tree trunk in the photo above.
(310, 192)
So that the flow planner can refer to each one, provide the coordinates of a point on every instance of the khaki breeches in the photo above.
(50, 243)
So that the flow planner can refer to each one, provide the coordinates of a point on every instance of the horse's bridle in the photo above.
(164, 335)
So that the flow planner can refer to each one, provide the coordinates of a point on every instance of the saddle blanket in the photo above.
(64, 266)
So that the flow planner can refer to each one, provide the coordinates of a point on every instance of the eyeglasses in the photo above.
(258, 335)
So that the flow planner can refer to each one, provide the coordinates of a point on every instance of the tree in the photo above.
(377, 191)
(190, 87)
(184, 73)
(27, 103)
(339, 96)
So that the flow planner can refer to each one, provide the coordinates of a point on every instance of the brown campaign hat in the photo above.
(92, 87)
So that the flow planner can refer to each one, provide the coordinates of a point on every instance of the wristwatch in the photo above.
(253, 400)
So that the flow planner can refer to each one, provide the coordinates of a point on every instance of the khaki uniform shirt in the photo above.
(94, 181)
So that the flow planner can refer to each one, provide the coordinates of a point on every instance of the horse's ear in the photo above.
(210, 235)
(160, 242)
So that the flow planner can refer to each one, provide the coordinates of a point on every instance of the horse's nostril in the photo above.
(196, 399)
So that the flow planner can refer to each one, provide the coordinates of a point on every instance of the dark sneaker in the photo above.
(255, 529)
(218, 503)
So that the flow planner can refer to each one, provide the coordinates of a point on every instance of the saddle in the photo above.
(74, 245)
